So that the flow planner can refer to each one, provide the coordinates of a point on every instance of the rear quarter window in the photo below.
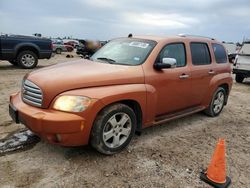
(200, 53)
(219, 53)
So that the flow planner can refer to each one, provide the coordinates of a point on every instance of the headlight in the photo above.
(72, 103)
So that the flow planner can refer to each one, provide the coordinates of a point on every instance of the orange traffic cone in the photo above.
(216, 172)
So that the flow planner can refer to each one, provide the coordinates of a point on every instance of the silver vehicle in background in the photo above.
(59, 47)
(231, 51)
(242, 63)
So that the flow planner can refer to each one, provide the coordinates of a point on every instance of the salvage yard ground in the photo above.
(170, 155)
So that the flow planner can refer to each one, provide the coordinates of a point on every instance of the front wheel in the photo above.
(113, 129)
(217, 103)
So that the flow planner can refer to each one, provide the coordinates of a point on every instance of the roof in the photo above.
(177, 37)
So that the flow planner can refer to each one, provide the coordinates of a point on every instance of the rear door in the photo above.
(202, 71)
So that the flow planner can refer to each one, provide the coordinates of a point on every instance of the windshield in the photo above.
(127, 51)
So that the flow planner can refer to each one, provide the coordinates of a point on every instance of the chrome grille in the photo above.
(32, 94)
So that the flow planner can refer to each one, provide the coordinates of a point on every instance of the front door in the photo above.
(173, 85)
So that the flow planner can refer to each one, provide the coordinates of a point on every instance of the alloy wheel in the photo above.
(117, 130)
(28, 60)
(218, 102)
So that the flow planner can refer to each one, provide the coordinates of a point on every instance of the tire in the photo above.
(217, 103)
(13, 62)
(239, 78)
(109, 135)
(58, 51)
(27, 59)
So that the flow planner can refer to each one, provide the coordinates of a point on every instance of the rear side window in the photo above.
(176, 51)
(220, 53)
(200, 53)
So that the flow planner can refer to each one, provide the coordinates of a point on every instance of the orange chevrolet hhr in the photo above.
(129, 84)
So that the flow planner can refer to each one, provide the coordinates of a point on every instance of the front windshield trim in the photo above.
(152, 42)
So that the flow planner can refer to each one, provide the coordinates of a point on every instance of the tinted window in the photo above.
(200, 54)
(176, 51)
(220, 53)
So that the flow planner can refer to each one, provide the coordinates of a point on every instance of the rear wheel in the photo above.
(217, 103)
(113, 129)
(239, 78)
(27, 59)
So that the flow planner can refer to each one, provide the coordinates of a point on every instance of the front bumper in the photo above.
(56, 127)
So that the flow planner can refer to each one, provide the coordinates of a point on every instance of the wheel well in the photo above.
(226, 87)
(30, 48)
(135, 106)
(138, 112)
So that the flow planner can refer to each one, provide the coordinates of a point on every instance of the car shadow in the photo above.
(8, 67)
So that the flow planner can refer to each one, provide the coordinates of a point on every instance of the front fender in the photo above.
(106, 95)
(113, 93)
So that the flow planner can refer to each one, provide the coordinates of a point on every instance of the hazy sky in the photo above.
(227, 20)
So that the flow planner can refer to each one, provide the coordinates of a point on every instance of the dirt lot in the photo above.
(170, 155)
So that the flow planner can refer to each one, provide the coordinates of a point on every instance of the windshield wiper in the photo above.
(111, 61)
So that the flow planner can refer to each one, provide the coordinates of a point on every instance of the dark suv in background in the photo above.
(24, 51)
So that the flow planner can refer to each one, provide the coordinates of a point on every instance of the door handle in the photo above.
(184, 76)
(211, 72)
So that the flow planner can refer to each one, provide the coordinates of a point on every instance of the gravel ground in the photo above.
(170, 155)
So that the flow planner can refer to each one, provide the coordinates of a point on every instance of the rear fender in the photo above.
(216, 81)
(26, 45)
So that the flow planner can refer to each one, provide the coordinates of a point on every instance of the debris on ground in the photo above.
(69, 56)
(18, 141)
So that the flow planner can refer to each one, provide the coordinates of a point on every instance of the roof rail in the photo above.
(188, 35)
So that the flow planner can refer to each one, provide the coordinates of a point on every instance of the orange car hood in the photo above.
(63, 77)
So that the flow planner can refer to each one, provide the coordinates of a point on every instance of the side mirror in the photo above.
(166, 63)
(170, 61)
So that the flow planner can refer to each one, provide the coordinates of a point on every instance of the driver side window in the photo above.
(176, 51)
